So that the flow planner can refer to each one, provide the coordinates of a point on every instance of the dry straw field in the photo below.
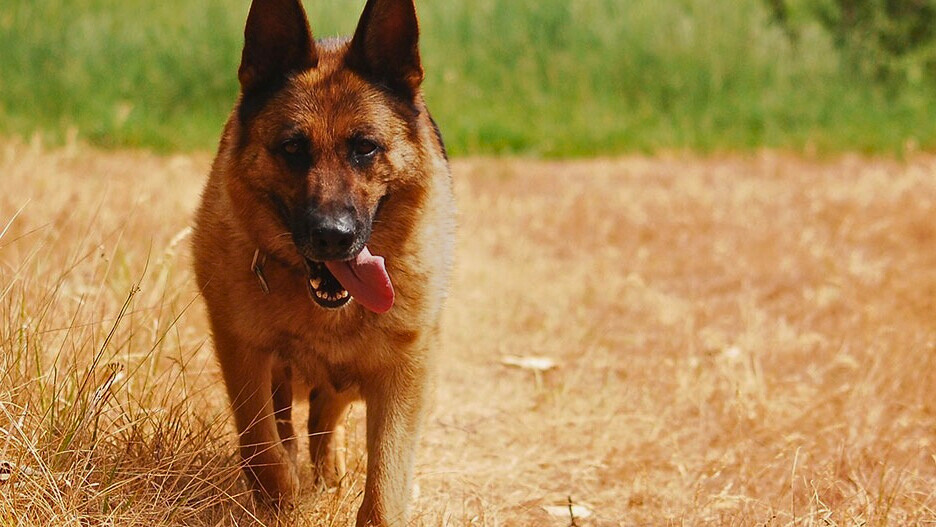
(737, 340)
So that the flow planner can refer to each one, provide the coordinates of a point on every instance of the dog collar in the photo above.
(259, 260)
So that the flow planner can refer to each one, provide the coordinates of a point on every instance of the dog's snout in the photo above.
(332, 235)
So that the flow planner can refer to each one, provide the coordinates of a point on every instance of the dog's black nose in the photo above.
(331, 236)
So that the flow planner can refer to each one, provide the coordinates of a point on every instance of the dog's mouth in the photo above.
(325, 289)
(332, 284)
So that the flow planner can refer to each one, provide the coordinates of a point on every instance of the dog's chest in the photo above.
(345, 342)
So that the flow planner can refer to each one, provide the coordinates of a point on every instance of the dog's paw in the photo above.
(276, 485)
(330, 474)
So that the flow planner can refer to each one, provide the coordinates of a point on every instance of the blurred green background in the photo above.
(550, 78)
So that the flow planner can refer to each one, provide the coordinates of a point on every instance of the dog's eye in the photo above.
(361, 147)
(292, 147)
(296, 153)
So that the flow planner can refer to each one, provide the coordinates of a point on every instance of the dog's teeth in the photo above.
(344, 294)
(321, 294)
(315, 282)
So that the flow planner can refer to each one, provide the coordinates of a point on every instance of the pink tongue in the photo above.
(366, 279)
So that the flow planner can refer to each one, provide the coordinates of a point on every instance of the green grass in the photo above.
(547, 77)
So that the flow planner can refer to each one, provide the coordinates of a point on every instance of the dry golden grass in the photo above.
(738, 341)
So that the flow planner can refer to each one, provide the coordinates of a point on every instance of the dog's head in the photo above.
(324, 135)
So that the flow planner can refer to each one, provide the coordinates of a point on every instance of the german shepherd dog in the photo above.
(323, 247)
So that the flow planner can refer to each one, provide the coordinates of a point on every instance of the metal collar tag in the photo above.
(259, 260)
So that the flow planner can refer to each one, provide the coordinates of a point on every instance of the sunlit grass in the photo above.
(738, 341)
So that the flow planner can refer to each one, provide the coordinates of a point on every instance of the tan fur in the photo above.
(263, 340)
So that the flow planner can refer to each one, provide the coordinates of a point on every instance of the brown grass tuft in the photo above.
(739, 341)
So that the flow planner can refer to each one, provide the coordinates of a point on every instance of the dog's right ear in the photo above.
(277, 43)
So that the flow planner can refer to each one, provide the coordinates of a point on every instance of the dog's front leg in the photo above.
(248, 377)
(395, 403)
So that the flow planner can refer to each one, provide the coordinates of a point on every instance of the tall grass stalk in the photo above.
(82, 429)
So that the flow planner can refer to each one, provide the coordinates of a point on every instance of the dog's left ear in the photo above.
(385, 47)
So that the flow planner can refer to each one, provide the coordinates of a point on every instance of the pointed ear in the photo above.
(385, 47)
(277, 42)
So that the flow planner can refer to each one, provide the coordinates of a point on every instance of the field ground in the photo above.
(740, 340)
